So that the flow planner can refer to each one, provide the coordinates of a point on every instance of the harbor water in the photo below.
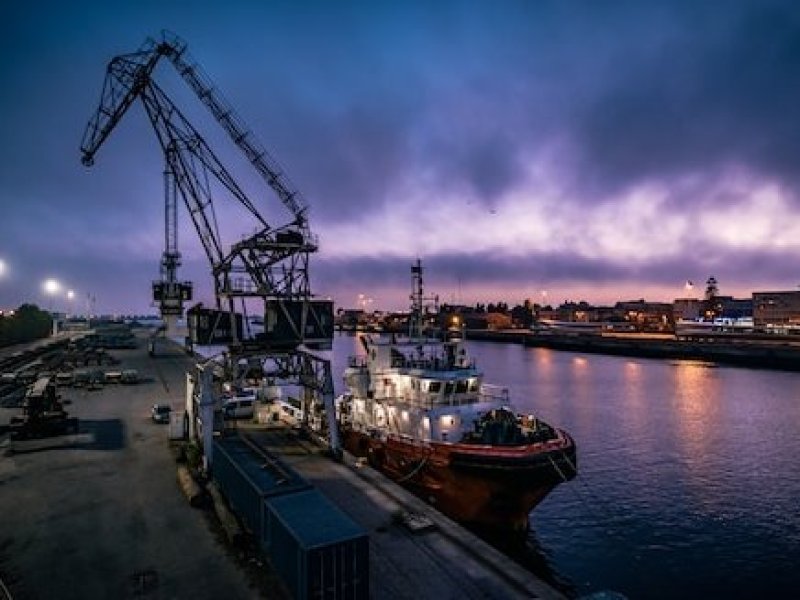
(689, 473)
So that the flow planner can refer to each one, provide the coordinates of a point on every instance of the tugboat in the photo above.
(418, 411)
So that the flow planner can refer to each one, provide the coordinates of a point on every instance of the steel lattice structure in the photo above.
(269, 265)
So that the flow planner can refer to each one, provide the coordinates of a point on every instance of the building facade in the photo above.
(776, 308)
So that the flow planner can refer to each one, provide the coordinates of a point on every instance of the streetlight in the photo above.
(51, 288)
(2, 266)
(70, 297)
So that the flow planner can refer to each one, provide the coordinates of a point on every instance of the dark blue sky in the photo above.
(589, 150)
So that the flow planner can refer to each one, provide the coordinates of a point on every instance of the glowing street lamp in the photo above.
(70, 298)
(51, 287)
(2, 267)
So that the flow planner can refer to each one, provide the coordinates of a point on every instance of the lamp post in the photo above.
(51, 288)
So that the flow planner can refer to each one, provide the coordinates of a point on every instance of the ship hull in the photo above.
(490, 486)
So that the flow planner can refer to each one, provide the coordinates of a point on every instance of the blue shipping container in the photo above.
(246, 477)
(317, 549)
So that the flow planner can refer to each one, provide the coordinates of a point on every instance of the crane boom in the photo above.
(175, 49)
(126, 77)
(270, 264)
(129, 74)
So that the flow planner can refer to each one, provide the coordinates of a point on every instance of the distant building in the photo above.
(546, 312)
(522, 316)
(728, 306)
(776, 308)
(491, 320)
(686, 308)
(646, 316)
(577, 312)
(736, 308)
(350, 318)
(634, 314)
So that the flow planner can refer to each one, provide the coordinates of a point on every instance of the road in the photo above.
(99, 514)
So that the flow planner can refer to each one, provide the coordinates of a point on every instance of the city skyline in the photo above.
(598, 153)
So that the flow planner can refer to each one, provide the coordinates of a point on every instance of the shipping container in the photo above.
(245, 477)
(318, 551)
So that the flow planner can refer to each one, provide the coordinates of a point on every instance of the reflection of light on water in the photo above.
(543, 366)
(580, 376)
(696, 420)
(637, 414)
(633, 380)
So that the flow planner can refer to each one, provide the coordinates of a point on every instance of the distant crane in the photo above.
(268, 267)
(169, 293)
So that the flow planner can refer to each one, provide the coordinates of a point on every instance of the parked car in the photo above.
(239, 407)
(160, 413)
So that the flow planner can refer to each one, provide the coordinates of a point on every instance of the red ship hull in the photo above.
(486, 485)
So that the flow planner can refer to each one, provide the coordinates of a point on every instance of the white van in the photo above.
(239, 407)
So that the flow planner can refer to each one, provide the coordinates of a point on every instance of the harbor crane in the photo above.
(168, 292)
(269, 265)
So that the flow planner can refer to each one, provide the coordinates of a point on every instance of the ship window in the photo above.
(448, 387)
(473, 385)
(461, 386)
(435, 387)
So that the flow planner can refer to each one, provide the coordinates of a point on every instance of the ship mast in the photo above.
(416, 322)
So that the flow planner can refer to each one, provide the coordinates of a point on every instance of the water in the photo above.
(689, 474)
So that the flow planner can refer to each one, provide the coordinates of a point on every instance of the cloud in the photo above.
(517, 144)
(710, 90)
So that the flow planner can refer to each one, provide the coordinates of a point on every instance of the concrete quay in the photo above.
(100, 514)
(731, 350)
(415, 551)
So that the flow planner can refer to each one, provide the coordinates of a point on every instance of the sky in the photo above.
(585, 150)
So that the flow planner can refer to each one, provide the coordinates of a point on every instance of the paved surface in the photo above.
(100, 514)
(427, 557)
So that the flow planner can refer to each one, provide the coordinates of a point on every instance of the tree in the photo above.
(26, 324)
(711, 306)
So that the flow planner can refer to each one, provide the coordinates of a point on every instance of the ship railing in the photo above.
(431, 364)
(492, 392)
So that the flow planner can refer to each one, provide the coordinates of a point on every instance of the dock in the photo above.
(415, 551)
(102, 512)
(732, 350)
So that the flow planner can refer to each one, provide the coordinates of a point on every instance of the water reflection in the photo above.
(695, 418)
(688, 475)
